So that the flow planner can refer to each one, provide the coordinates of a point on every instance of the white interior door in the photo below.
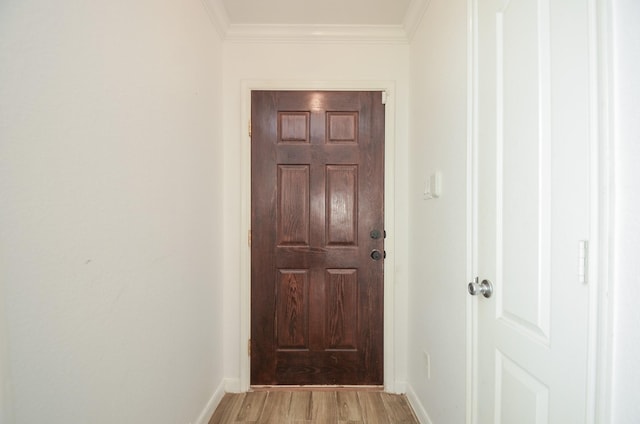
(532, 210)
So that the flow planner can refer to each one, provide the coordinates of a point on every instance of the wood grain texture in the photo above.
(317, 407)
(293, 127)
(252, 407)
(342, 307)
(276, 409)
(342, 208)
(342, 127)
(348, 407)
(373, 408)
(292, 308)
(293, 210)
(398, 409)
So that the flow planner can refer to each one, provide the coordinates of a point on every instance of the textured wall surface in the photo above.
(110, 182)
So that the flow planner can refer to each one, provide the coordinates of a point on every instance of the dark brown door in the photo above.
(317, 238)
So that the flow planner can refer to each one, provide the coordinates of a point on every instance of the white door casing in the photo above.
(391, 383)
(532, 163)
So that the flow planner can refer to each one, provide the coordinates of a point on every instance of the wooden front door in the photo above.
(317, 248)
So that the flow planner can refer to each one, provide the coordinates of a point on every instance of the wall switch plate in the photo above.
(427, 363)
(433, 186)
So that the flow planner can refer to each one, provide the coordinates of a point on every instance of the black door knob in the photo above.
(376, 255)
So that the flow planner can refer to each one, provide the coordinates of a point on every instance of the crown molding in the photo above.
(218, 16)
(414, 15)
(270, 33)
(305, 33)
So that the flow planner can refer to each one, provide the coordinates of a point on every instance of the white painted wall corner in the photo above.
(417, 406)
(212, 404)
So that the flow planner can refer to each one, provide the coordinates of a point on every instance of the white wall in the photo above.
(307, 63)
(5, 381)
(110, 171)
(438, 236)
(626, 291)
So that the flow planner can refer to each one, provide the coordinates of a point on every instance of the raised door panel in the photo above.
(293, 127)
(292, 310)
(523, 164)
(342, 205)
(293, 205)
(342, 309)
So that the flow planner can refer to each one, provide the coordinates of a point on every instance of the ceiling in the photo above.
(353, 20)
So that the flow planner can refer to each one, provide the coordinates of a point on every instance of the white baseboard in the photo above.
(399, 387)
(232, 385)
(417, 406)
(212, 404)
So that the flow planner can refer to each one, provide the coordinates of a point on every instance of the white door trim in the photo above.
(601, 213)
(471, 216)
(602, 179)
(390, 383)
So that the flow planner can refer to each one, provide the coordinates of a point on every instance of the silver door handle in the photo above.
(485, 288)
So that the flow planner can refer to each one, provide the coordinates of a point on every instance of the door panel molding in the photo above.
(511, 378)
(294, 128)
(293, 200)
(523, 60)
(342, 189)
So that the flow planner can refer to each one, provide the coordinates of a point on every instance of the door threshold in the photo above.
(316, 388)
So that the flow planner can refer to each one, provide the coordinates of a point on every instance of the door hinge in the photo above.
(249, 128)
(384, 97)
(249, 347)
(583, 261)
(249, 238)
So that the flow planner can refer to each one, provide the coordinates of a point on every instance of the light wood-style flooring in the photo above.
(318, 407)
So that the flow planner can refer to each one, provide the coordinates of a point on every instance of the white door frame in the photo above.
(601, 213)
(390, 383)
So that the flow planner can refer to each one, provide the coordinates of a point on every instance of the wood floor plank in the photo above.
(398, 409)
(373, 410)
(323, 408)
(276, 408)
(349, 410)
(252, 406)
(300, 409)
(228, 409)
